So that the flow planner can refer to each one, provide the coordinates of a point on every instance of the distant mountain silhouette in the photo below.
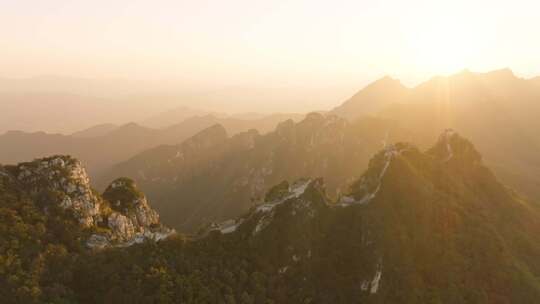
(116, 144)
(177, 115)
(57, 104)
(373, 98)
(95, 131)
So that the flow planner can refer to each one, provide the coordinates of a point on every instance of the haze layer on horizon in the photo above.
(294, 45)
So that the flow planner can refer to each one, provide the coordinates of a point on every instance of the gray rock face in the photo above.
(67, 177)
(98, 241)
(122, 228)
(133, 220)
(123, 215)
(144, 215)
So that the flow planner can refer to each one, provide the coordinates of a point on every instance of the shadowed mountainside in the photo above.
(433, 226)
(212, 176)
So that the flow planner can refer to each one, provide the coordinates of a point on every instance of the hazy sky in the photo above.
(294, 43)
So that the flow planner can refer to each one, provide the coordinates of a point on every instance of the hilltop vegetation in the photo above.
(416, 227)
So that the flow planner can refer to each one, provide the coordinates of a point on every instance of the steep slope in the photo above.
(416, 227)
(373, 98)
(194, 184)
(59, 185)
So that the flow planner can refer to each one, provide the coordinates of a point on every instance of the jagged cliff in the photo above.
(120, 217)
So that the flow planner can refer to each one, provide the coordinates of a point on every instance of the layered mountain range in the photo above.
(211, 176)
(417, 226)
(353, 206)
(102, 146)
(222, 178)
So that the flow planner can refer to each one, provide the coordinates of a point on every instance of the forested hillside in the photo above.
(415, 227)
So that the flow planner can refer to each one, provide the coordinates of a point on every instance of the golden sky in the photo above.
(305, 43)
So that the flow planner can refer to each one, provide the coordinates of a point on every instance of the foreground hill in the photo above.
(211, 176)
(416, 227)
(498, 110)
(58, 187)
(102, 146)
(48, 211)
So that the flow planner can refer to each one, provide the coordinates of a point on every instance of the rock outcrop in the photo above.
(65, 177)
(121, 217)
(131, 217)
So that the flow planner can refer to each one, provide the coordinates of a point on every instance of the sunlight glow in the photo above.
(447, 39)
(284, 43)
(444, 48)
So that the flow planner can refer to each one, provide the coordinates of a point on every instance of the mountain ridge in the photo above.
(115, 144)
(437, 227)
(239, 169)
(436, 212)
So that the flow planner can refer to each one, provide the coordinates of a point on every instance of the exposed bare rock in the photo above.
(121, 217)
(66, 177)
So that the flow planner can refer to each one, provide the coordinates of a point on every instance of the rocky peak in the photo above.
(49, 168)
(373, 98)
(123, 194)
(131, 218)
(278, 192)
(302, 197)
(284, 193)
(386, 82)
(65, 176)
(369, 184)
(452, 158)
(452, 147)
(120, 217)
